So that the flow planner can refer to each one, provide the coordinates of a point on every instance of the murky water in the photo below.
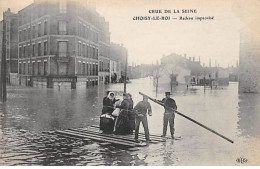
(30, 116)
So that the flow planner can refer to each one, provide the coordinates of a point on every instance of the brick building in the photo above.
(11, 21)
(60, 42)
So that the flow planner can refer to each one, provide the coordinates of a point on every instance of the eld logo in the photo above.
(241, 160)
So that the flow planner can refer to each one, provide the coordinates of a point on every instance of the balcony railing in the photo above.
(62, 54)
(62, 32)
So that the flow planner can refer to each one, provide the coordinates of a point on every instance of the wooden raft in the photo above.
(93, 133)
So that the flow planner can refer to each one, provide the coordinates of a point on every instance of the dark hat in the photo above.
(167, 93)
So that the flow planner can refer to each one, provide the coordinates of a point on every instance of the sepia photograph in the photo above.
(129, 83)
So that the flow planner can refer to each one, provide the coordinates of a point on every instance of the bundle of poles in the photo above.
(194, 121)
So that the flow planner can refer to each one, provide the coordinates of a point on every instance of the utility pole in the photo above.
(3, 63)
(125, 72)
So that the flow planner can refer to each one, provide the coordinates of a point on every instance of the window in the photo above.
(79, 28)
(83, 68)
(63, 6)
(93, 52)
(33, 65)
(90, 67)
(20, 52)
(39, 70)
(79, 48)
(84, 31)
(39, 30)
(20, 36)
(24, 35)
(62, 48)
(24, 49)
(45, 28)
(84, 50)
(24, 68)
(79, 68)
(87, 69)
(20, 68)
(87, 51)
(45, 48)
(39, 49)
(62, 28)
(45, 68)
(33, 50)
(33, 31)
(29, 33)
(96, 54)
(96, 69)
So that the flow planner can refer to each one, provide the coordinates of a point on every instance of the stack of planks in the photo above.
(93, 133)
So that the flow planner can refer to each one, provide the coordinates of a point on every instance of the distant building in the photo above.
(190, 72)
(249, 59)
(118, 55)
(141, 71)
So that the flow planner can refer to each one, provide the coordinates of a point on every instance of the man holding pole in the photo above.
(169, 115)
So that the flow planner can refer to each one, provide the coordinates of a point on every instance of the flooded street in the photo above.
(30, 116)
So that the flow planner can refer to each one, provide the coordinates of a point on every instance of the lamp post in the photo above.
(3, 64)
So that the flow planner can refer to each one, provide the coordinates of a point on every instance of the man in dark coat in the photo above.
(168, 114)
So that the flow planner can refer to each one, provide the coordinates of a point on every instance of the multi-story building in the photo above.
(59, 42)
(11, 21)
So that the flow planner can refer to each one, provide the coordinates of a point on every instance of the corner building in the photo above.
(59, 43)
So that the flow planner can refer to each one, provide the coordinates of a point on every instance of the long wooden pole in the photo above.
(194, 121)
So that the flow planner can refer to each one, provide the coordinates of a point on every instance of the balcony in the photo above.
(62, 54)
(62, 32)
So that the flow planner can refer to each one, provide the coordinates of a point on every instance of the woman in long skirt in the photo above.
(122, 124)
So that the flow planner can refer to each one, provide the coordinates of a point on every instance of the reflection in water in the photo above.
(30, 115)
(249, 114)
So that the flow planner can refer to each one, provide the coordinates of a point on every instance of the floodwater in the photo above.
(30, 116)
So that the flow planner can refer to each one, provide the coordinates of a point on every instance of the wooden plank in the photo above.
(105, 136)
(96, 138)
(112, 135)
(130, 136)
(152, 136)
(141, 136)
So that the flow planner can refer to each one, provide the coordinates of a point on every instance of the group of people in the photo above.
(124, 119)
(121, 117)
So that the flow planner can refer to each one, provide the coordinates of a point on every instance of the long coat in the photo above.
(122, 124)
